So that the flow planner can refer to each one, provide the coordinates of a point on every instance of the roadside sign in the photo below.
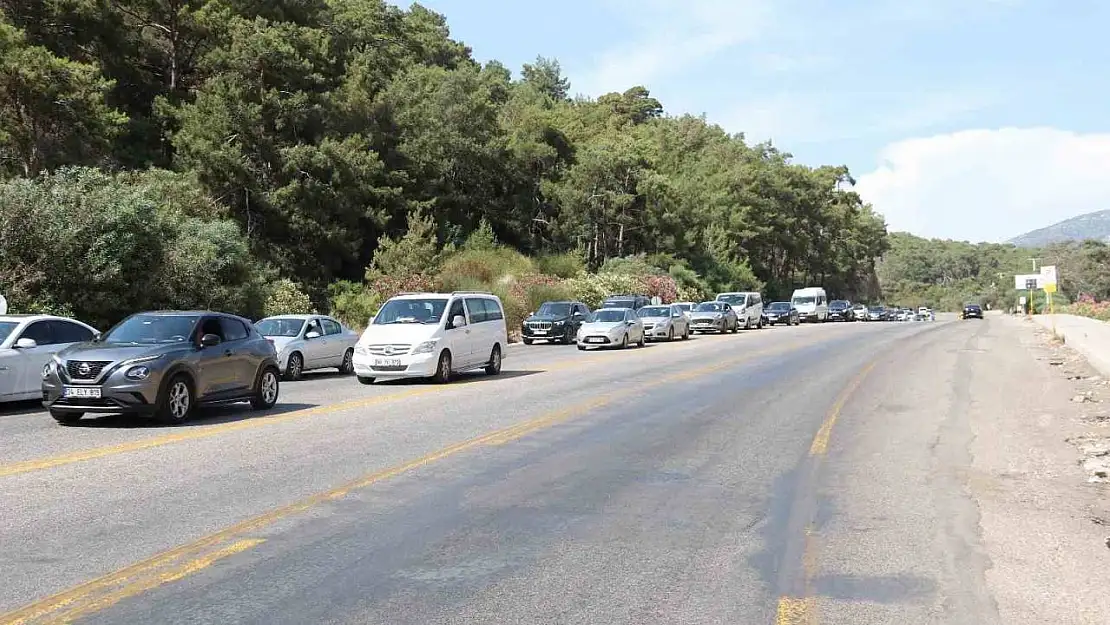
(1050, 287)
(3, 305)
(1021, 300)
(1048, 275)
(1023, 280)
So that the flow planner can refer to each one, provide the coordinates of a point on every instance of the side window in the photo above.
(332, 327)
(66, 332)
(233, 329)
(212, 325)
(313, 325)
(757, 299)
(39, 332)
(455, 311)
(493, 310)
(477, 308)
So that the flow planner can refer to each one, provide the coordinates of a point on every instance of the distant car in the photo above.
(972, 310)
(554, 321)
(748, 306)
(309, 342)
(163, 364)
(664, 322)
(635, 302)
(859, 312)
(609, 327)
(27, 343)
(687, 308)
(782, 312)
(840, 310)
(876, 313)
(714, 317)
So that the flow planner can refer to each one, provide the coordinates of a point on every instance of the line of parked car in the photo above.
(164, 364)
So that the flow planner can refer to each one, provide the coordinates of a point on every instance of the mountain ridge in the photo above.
(1094, 225)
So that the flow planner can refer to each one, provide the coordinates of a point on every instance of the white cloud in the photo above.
(989, 185)
(669, 37)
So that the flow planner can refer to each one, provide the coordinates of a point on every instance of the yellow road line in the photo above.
(793, 611)
(164, 568)
(821, 440)
(50, 462)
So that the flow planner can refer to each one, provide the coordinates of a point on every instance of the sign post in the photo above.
(1048, 283)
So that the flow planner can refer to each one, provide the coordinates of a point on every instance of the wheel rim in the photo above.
(496, 359)
(445, 365)
(295, 366)
(348, 358)
(269, 387)
(179, 400)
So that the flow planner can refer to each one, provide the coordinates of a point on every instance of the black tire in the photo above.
(527, 341)
(494, 366)
(642, 341)
(581, 348)
(178, 391)
(348, 366)
(759, 326)
(267, 389)
(365, 380)
(670, 334)
(568, 336)
(66, 418)
(736, 326)
(443, 369)
(294, 369)
(624, 341)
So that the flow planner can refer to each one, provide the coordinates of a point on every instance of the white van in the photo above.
(433, 335)
(748, 306)
(812, 304)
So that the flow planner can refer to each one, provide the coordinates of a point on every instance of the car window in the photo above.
(493, 310)
(69, 332)
(233, 329)
(212, 325)
(332, 327)
(39, 332)
(477, 308)
(313, 325)
(456, 310)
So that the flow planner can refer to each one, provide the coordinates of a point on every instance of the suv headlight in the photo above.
(426, 347)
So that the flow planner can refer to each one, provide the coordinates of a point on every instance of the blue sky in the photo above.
(944, 109)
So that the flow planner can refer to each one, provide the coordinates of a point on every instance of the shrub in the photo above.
(415, 252)
(637, 265)
(466, 269)
(563, 266)
(355, 304)
(482, 239)
(286, 298)
(592, 289)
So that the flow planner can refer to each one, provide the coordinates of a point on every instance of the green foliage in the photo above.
(537, 294)
(566, 265)
(417, 251)
(482, 239)
(481, 269)
(286, 298)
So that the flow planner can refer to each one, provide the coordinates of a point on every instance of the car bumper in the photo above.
(707, 326)
(656, 332)
(132, 398)
(555, 333)
(402, 366)
(597, 340)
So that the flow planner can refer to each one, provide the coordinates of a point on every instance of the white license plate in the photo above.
(539, 331)
(595, 339)
(387, 362)
(81, 392)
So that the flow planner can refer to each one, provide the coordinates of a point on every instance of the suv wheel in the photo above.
(66, 418)
(176, 403)
(266, 392)
(443, 369)
(494, 366)
(295, 369)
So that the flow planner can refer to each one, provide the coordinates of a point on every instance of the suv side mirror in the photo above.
(312, 335)
(458, 321)
(577, 316)
(210, 340)
(25, 343)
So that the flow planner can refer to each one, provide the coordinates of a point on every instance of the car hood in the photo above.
(706, 315)
(601, 326)
(549, 318)
(777, 311)
(281, 342)
(655, 319)
(397, 333)
(115, 352)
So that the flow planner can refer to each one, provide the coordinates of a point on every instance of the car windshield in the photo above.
(685, 307)
(408, 310)
(655, 311)
(779, 306)
(838, 304)
(619, 303)
(877, 309)
(608, 316)
(280, 326)
(554, 309)
(808, 299)
(6, 328)
(710, 307)
(153, 329)
(733, 298)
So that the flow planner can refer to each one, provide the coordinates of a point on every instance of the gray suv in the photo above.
(162, 364)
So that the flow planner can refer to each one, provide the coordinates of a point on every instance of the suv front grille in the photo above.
(85, 369)
(539, 325)
(389, 349)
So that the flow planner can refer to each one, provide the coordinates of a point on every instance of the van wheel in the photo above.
(295, 368)
(443, 369)
(759, 326)
(176, 401)
(266, 393)
(494, 366)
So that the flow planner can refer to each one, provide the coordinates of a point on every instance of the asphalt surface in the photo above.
(770, 476)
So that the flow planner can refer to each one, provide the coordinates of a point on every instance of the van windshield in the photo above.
(734, 299)
(806, 299)
(427, 311)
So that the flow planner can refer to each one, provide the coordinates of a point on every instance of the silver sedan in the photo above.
(308, 342)
(664, 322)
(714, 317)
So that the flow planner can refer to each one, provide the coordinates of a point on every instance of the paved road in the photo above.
(734, 479)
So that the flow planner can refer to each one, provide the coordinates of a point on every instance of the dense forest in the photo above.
(230, 153)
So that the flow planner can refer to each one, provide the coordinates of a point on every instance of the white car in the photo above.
(433, 335)
(309, 342)
(27, 344)
(667, 321)
(748, 306)
(611, 326)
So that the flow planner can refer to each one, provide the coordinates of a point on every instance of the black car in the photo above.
(635, 302)
(973, 310)
(554, 321)
(840, 310)
(781, 312)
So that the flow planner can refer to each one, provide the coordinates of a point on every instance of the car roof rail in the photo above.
(412, 293)
(471, 293)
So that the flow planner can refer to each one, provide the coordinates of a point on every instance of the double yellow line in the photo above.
(180, 562)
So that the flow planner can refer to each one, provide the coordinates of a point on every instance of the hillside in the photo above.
(1094, 225)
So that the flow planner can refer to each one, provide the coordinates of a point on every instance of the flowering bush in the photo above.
(1086, 306)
